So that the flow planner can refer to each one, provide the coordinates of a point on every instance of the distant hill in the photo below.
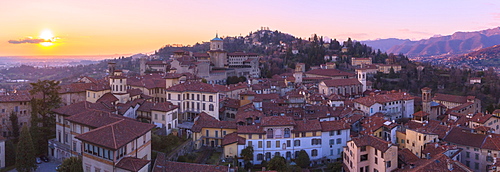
(455, 44)
(480, 59)
(384, 44)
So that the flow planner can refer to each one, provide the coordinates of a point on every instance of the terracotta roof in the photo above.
(481, 118)
(146, 106)
(335, 125)
(426, 88)
(22, 97)
(450, 98)
(242, 54)
(162, 165)
(406, 156)
(242, 115)
(330, 72)
(116, 134)
(430, 127)
(466, 137)
(75, 87)
(307, 125)
(204, 120)
(375, 142)
(383, 98)
(132, 164)
(80, 107)
(341, 82)
(134, 92)
(194, 86)
(250, 129)
(164, 106)
(108, 97)
(233, 138)
(421, 114)
(277, 121)
(440, 162)
(94, 118)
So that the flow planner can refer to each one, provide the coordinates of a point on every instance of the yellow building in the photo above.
(208, 131)
(361, 61)
(386, 68)
(416, 140)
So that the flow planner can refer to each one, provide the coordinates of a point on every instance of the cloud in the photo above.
(28, 41)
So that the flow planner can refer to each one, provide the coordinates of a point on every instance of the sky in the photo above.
(107, 27)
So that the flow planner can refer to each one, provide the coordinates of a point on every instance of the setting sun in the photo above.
(48, 38)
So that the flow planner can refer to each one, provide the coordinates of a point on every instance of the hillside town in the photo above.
(215, 111)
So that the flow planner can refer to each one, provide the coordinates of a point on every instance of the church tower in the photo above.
(426, 99)
(362, 78)
(218, 56)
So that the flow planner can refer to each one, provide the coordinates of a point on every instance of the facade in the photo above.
(386, 68)
(369, 153)
(128, 144)
(209, 131)
(194, 98)
(166, 114)
(394, 105)
(460, 104)
(361, 61)
(416, 140)
(20, 105)
(344, 87)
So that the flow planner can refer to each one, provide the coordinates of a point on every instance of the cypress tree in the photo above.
(25, 158)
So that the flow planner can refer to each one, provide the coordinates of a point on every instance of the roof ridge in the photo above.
(113, 131)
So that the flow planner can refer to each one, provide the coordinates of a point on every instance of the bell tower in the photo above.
(426, 99)
(218, 56)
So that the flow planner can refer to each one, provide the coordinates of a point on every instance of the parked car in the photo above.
(38, 160)
(44, 158)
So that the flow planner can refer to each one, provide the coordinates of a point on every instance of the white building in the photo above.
(394, 105)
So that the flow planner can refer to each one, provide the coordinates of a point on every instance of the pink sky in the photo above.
(103, 27)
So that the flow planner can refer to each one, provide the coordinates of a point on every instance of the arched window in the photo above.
(260, 157)
(268, 156)
(287, 133)
(277, 154)
(314, 152)
(270, 133)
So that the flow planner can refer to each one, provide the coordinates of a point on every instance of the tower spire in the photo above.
(216, 33)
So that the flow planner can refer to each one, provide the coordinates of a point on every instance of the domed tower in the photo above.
(218, 56)
(426, 99)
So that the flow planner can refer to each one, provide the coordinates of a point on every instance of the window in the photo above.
(260, 157)
(375, 151)
(467, 154)
(203, 97)
(210, 98)
(277, 143)
(268, 156)
(216, 133)
(376, 160)
(249, 143)
(268, 144)
(363, 148)
(74, 146)
(339, 141)
(207, 133)
(316, 142)
(476, 166)
(296, 143)
(314, 152)
(388, 164)
(288, 143)
(338, 132)
(303, 134)
(332, 133)
(288, 155)
(211, 107)
(477, 156)
(363, 157)
(163, 117)
(178, 97)
(156, 116)
(287, 133)
(203, 107)
(169, 96)
(270, 133)
(260, 144)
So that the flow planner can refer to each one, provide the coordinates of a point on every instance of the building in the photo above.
(20, 105)
(2, 152)
(386, 68)
(394, 105)
(369, 153)
(126, 147)
(489, 122)
(162, 165)
(361, 61)
(344, 87)
(165, 115)
(459, 104)
(417, 139)
(329, 73)
(209, 131)
(194, 98)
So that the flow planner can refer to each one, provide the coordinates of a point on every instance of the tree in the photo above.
(10, 153)
(247, 155)
(25, 157)
(71, 164)
(45, 99)
(303, 159)
(277, 163)
(15, 124)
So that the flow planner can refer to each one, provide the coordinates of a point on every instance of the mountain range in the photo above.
(451, 45)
